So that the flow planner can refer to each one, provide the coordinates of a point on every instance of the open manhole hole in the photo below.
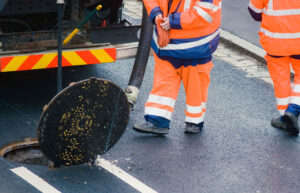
(82, 121)
(24, 152)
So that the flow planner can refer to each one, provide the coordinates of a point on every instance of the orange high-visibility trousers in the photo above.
(166, 84)
(279, 68)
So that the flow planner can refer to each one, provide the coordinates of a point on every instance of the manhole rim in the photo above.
(16, 145)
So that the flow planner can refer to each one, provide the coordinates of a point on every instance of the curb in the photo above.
(243, 46)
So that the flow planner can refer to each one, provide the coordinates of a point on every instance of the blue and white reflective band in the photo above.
(187, 45)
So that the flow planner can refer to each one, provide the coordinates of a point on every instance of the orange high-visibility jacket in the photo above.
(280, 26)
(194, 27)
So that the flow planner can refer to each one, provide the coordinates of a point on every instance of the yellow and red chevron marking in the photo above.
(49, 60)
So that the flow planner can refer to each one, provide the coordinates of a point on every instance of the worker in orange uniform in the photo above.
(280, 37)
(185, 36)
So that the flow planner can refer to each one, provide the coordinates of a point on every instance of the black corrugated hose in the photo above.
(141, 59)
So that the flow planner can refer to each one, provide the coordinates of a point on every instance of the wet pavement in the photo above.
(238, 150)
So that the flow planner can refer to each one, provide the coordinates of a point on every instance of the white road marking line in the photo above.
(34, 180)
(118, 172)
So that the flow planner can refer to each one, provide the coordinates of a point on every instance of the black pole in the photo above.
(60, 4)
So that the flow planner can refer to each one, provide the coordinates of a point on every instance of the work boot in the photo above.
(291, 122)
(192, 128)
(277, 123)
(148, 127)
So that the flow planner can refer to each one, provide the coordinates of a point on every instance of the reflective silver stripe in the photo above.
(281, 112)
(270, 4)
(203, 14)
(210, 6)
(280, 35)
(283, 101)
(189, 44)
(253, 8)
(282, 12)
(187, 5)
(195, 120)
(295, 100)
(270, 11)
(195, 109)
(161, 100)
(296, 88)
(158, 112)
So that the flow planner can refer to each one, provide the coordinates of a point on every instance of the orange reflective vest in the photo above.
(280, 26)
(194, 27)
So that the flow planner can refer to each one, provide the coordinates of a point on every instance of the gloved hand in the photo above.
(163, 36)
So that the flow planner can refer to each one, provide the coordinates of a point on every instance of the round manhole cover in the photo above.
(82, 121)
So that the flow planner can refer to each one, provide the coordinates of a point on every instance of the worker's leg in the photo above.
(196, 81)
(161, 101)
(294, 106)
(279, 69)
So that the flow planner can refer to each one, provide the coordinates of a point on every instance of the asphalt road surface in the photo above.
(237, 20)
(237, 151)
